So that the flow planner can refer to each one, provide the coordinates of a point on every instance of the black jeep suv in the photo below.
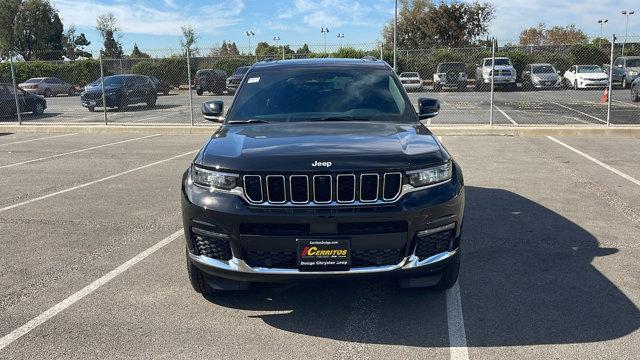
(322, 169)
(120, 91)
(211, 80)
(234, 80)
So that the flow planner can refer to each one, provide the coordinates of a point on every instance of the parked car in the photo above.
(291, 186)
(211, 80)
(28, 102)
(586, 76)
(162, 87)
(411, 81)
(505, 75)
(234, 80)
(450, 74)
(540, 76)
(625, 70)
(635, 90)
(120, 91)
(47, 86)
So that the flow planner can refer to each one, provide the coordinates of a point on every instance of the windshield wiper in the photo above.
(343, 118)
(250, 121)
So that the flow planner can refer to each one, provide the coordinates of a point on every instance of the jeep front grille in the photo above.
(322, 188)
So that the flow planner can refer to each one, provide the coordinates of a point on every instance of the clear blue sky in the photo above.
(155, 25)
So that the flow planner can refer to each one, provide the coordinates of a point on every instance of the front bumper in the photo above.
(96, 101)
(428, 209)
(416, 86)
(546, 85)
(593, 83)
(501, 80)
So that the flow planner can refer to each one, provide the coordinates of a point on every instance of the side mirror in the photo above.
(213, 110)
(428, 108)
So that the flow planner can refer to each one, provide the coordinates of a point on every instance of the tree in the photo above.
(232, 49)
(81, 42)
(264, 49)
(304, 50)
(567, 35)
(557, 35)
(137, 54)
(422, 24)
(8, 11)
(107, 26)
(533, 36)
(189, 39)
(37, 30)
(69, 43)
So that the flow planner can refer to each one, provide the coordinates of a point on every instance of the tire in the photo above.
(122, 106)
(71, 92)
(197, 279)
(437, 87)
(166, 92)
(91, 108)
(635, 94)
(47, 93)
(449, 274)
(199, 92)
(151, 102)
(575, 84)
(38, 109)
(624, 82)
(462, 88)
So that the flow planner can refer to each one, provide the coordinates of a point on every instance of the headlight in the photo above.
(535, 78)
(213, 179)
(430, 176)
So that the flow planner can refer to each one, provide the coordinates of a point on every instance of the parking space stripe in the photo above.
(455, 321)
(76, 151)
(505, 115)
(612, 169)
(72, 299)
(26, 202)
(37, 139)
(579, 112)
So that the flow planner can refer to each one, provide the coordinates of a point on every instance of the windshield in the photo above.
(110, 81)
(241, 70)
(590, 69)
(409, 75)
(543, 69)
(633, 62)
(499, 62)
(33, 81)
(454, 67)
(313, 94)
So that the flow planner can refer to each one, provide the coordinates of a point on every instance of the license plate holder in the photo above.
(324, 254)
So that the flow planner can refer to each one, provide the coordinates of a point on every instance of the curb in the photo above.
(445, 130)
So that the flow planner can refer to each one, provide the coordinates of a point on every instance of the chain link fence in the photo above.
(496, 84)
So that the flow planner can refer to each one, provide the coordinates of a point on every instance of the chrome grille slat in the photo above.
(323, 189)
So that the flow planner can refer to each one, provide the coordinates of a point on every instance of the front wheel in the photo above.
(151, 102)
(91, 108)
(71, 92)
(635, 94)
(575, 84)
(624, 83)
(199, 92)
(38, 109)
(47, 93)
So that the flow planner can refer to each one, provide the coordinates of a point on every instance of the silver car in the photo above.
(541, 76)
(47, 86)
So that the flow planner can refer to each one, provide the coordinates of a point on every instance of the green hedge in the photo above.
(171, 70)
(78, 73)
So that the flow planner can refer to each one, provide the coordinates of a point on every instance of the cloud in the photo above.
(328, 13)
(153, 18)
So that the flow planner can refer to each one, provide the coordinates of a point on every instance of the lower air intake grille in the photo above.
(213, 247)
(433, 244)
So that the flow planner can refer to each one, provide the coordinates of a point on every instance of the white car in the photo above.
(411, 81)
(586, 76)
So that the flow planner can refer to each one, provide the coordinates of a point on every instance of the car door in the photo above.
(618, 69)
(7, 101)
(131, 90)
(61, 87)
(24, 106)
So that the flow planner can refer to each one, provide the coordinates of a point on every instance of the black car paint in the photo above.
(234, 80)
(27, 101)
(351, 146)
(135, 89)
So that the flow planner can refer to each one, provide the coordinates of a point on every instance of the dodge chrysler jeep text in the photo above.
(322, 169)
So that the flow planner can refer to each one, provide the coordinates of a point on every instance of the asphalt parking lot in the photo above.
(548, 107)
(93, 261)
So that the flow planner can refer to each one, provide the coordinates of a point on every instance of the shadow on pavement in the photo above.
(526, 279)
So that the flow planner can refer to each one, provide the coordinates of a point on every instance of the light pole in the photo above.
(626, 13)
(324, 32)
(341, 36)
(249, 34)
(395, 36)
(601, 22)
(276, 39)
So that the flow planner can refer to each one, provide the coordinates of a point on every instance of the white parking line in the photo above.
(612, 169)
(505, 115)
(37, 139)
(155, 117)
(626, 103)
(455, 321)
(64, 304)
(579, 112)
(76, 151)
(26, 202)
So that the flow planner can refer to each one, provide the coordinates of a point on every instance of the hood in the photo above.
(499, 67)
(294, 147)
(547, 76)
(595, 75)
(634, 68)
(236, 77)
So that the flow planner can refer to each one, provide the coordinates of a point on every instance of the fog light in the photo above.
(438, 229)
